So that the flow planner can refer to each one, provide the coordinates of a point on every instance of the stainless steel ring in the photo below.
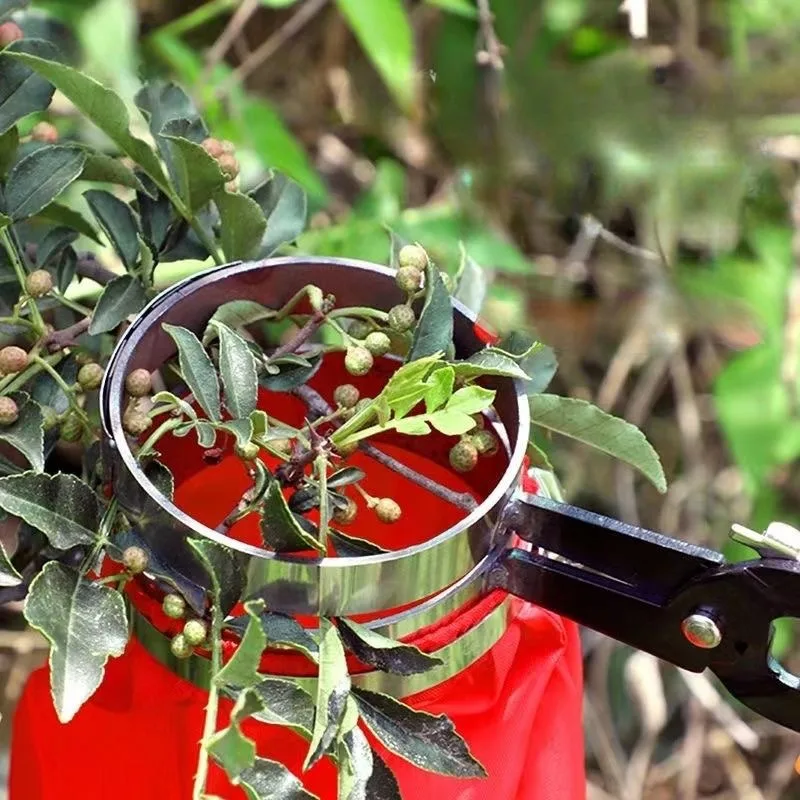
(330, 586)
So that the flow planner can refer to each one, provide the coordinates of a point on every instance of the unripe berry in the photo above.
(38, 283)
(402, 318)
(463, 456)
(139, 383)
(485, 442)
(387, 510)
(378, 343)
(9, 32)
(195, 632)
(71, 428)
(135, 422)
(228, 146)
(49, 418)
(344, 515)
(409, 279)
(412, 255)
(359, 329)
(44, 132)
(12, 359)
(179, 647)
(362, 404)
(249, 452)
(283, 446)
(228, 166)
(346, 395)
(134, 559)
(173, 606)
(212, 146)
(358, 360)
(9, 412)
(90, 376)
(232, 186)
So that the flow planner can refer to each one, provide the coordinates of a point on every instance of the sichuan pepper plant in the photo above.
(175, 196)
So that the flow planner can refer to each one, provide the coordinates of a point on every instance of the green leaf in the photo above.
(470, 400)
(118, 223)
(241, 670)
(285, 206)
(287, 705)
(333, 689)
(85, 624)
(356, 760)
(383, 653)
(352, 547)
(280, 629)
(53, 244)
(270, 780)
(26, 435)
(102, 106)
(473, 284)
(536, 359)
(242, 430)
(198, 174)
(416, 426)
(225, 568)
(428, 741)
(382, 784)
(9, 141)
(434, 331)
(489, 362)
(121, 298)
(294, 372)
(8, 574)
(440, 387)
(161, 477)
(36, 180)
(62, 507)
(230, 748)
(383, 29)
(451, 423)
(462, 8)
(279, 528)
(345, 476)
(64, 215)
(100, 168)
(242, 223)
(197, 370)
(586, 423)
(236, 314)
(22, 91)
(276, 147)
(277, 3)
(238, 369)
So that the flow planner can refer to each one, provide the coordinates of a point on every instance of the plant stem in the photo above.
(321, 468)
(163, 428)
(199, 16)
(301, 337)
(19, 270)
(359, 311)
(58, 340)
(69, 303)
(210, 724)
(64, 388)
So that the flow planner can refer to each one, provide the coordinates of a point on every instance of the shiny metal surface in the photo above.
(330, 586)
(702, 631)
(456, 657)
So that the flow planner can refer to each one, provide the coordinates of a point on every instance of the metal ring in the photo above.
(329, 586)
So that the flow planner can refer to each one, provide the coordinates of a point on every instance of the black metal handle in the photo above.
(681, 603)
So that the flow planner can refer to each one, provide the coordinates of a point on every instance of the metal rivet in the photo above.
(701, 631)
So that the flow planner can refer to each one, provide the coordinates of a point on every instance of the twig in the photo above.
(319, 407)
(630, 349)
(267, 49)
(301, 337)
(58, 340)
(228, 36)
(791, 330)
(692, 752)
(491, 53)
(739, 772)
(87, 266)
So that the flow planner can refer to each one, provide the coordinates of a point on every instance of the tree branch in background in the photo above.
(491, 53)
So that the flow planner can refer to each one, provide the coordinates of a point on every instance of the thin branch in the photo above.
(58, 340)
(301, 337)
(87, 266)
(228, 36)
(268, 48)
(319, 407)
(492, 52)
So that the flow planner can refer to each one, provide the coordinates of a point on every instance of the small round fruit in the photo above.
(378, 343)
(228, 146)
(358, 360)
(49, 418)
(134, 559)
(44, 132)
(90, 376)
(71, 428)
(212, 146)
(179, 647)
(362, 404)
(480, 421)
(402, 318)
(139, 383)
(463, 456)
(485, 442)
(38, 283)
(359, 329)
(344, 515)
(195, 632)
(346, 395)
(173, 606)
(13, 359)
(409, 279)
(135, 422)
(10, 32)
(412, 255)
(228, 165)
(248, 452)
(9, 412)
(232, 186)
(387, 510)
